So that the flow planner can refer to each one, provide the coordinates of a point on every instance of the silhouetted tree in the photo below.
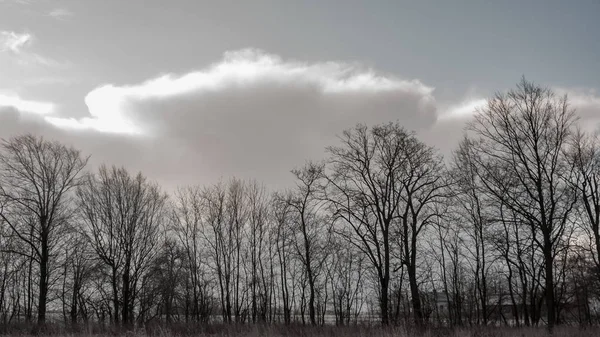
(522, 138)
(381, 182)
(36, 180)
(122, 215)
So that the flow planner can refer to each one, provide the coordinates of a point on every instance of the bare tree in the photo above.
(281, 212)
(187, 225)
(167, 274)
(257, 245)
(586, 158)
(449, 255)
(472, 206)
(525, 134)
(225, 219)
(36, 178)
(122, 216)
(78, 266)
(380, 183)
(423, 187)
(309, 228)
(347, 281)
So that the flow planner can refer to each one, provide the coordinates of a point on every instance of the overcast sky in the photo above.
(191, 91)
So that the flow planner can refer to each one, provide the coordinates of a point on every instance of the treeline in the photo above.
(505, 231)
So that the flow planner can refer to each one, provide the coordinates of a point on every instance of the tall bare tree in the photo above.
(122, 216)
(281, 213)
(187, 224)
(225, 218)
(378, 186)
(586, 157)
(472, 206)
(310, 229)
(522, 137)
(36, 180)
(422, 187)
(257, 246)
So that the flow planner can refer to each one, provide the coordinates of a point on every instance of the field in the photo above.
(299, 331)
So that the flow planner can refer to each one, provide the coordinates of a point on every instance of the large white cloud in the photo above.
(241, 71)
(251, 114)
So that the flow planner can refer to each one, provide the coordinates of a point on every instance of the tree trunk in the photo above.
(126, 296)
(549, 271)
(74, 296)
(115, 289)
(43, 291)
(412, 280)
(311, 299)
(384, 300)
(414, 293)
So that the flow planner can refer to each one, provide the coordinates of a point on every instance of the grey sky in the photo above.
(295, 74)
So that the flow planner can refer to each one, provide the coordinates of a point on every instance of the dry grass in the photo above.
(294, 331)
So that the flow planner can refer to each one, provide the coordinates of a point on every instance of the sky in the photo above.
(194, 91)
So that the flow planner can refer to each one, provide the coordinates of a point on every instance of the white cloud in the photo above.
(464, 109)
(34, 107)
(14, 42)
(453, 117)
(60, 13)
(18, 44)
(251, 114)
(586, 103)
(249, 66)
(245, 68)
